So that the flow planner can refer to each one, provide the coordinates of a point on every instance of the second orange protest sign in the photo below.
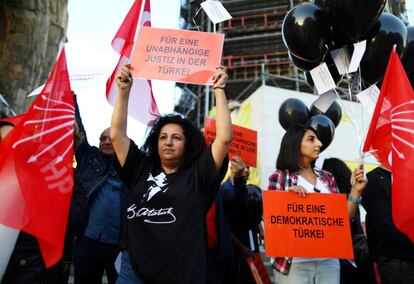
(176, 55)
(244, 143)
(313, 226)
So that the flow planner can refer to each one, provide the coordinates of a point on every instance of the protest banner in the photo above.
(244, 143)
(313, 226)
(176, 55)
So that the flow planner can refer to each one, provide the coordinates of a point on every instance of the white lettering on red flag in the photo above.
(391, 139)
(36, 166)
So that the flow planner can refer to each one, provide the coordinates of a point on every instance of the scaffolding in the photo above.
(253, 53)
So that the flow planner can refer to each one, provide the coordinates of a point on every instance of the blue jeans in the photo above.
(127, 275)
(311, 272)
(92, 258)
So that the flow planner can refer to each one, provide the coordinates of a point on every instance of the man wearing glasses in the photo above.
(98, 248)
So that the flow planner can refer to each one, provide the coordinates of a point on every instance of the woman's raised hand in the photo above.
(124, 78)
(358, 181)
(220, 77)
(237, 166)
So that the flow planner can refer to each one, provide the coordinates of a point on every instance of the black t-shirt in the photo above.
(166, 217)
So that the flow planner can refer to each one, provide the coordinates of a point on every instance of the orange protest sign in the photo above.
(314, 226)
(244, 143)
(176, 55)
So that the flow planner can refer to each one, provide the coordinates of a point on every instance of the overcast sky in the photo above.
(92, 26)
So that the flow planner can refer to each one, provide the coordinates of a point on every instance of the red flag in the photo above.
(12, 120)
(36, 173)
(142, 105)
(391, 137)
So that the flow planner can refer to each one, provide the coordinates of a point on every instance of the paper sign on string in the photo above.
(322, 79)
(359, 50)
(215, 11)
(368, 98)
(341, 57)
(325, 100)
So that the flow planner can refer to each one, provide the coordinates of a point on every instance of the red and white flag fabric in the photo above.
(36, 173)
(391, 139)
(142, 105)
(8, 236)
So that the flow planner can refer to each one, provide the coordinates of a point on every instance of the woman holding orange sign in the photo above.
(296, 172)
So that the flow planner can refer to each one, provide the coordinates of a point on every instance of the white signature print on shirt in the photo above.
(146, 213)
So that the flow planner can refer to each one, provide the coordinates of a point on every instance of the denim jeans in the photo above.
(127, 275)
(310, 272)
(395, 271)
(57, 274)
(92, 258)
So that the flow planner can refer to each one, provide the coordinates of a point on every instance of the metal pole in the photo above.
(263, 74)
(198, 112)
(207, 88)
(295, 69)
(3, 100)
(297, 78)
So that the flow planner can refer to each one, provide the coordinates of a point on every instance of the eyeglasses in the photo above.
(104, 137)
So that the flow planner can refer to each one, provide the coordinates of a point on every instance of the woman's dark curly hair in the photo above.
(194, 139)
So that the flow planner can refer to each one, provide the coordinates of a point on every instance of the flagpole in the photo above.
(8, 238)
(207, 88)
(137, 30)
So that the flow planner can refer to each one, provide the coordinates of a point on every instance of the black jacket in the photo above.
(384, 239)
(92, 165)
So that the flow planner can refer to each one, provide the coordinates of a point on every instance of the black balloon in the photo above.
(354, 17)
(324, 127)
(408, 56)
(302, 64)
(334, 112)
(339, 37)
(293, 111)
(388, 31)
(320, 3)
(306, 32)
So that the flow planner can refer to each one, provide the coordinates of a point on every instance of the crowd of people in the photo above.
(167, 210)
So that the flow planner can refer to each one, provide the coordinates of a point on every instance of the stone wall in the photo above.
(31, 32)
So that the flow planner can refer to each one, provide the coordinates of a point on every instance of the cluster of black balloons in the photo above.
(294, 111)
(311, 30)
(408, 56)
